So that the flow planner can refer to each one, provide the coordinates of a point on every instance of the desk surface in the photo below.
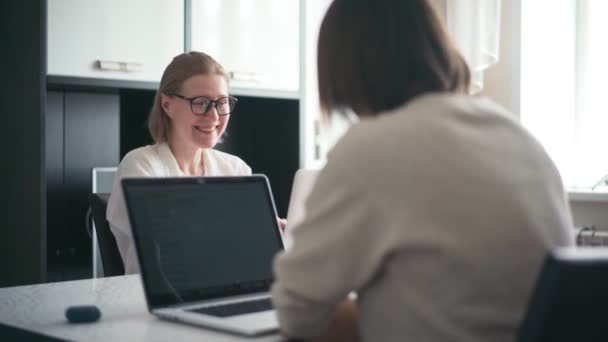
(41, 308)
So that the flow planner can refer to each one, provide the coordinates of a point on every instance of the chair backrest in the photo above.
(570, 298)
(110, 256)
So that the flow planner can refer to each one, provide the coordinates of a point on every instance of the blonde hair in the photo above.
(181, 68)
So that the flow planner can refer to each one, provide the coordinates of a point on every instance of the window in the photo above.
(564, 93)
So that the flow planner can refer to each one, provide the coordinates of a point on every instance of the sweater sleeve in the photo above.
(335, 250)
(244, 169)
(116, 214)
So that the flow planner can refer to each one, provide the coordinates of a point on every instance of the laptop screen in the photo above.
(202, 238)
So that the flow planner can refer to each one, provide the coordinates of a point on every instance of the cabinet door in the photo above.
(82, 132)
(55, 194)
(257, 41)
(91, 139)
(137, 37)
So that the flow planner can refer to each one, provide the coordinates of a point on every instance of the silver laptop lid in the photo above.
(200, 238)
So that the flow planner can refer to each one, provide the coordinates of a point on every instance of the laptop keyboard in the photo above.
(234, 309)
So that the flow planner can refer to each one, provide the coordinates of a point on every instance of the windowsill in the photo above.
(587, 195)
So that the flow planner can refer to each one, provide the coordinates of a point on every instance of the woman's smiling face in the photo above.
(202, 131)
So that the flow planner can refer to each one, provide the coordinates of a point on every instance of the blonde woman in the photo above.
(190, 114)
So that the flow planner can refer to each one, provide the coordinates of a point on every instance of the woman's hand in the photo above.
(282, 224)
(344, 325)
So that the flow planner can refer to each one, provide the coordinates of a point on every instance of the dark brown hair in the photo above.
(181, 68)
(376, 55)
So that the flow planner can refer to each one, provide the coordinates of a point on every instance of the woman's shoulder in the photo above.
(226, 163)
(431, 120)
(141, 154)
(442, 108)
(144, 159)
(437, 107)
(442, 117)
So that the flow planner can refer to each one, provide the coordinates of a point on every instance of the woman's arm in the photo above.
(343, 326)
(336, 249)
(133, 165)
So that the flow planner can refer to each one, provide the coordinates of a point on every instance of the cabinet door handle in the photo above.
(245, 76)
(118, 66)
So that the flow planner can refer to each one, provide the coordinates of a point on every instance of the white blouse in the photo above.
(157, 161)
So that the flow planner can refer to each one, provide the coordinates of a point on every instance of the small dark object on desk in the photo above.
(82, 313)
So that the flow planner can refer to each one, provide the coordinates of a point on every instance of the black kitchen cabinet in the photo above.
(82, 131)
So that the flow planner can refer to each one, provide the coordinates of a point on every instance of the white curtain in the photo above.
(475, 28)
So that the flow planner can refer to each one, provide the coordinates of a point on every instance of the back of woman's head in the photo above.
(181, 68)
(376, 55)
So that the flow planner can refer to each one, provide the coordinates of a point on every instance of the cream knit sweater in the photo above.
(438, 214)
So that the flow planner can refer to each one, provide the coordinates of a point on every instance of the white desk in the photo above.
(41, 308)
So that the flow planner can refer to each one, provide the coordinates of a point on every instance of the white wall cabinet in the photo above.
(270, 48)
(257, 41)
(113, 39)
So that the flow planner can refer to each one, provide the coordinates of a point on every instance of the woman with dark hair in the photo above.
(434, 211)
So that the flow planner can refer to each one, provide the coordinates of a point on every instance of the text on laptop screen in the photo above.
(201, 239)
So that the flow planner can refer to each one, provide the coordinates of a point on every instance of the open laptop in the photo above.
(205, 247)
(303, 182)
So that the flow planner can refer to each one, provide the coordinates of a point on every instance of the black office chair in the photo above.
(570, 298)
(110, 256)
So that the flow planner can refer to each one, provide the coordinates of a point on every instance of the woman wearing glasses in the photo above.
(190, 113)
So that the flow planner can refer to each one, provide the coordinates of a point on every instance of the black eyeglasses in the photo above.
(200, 105)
